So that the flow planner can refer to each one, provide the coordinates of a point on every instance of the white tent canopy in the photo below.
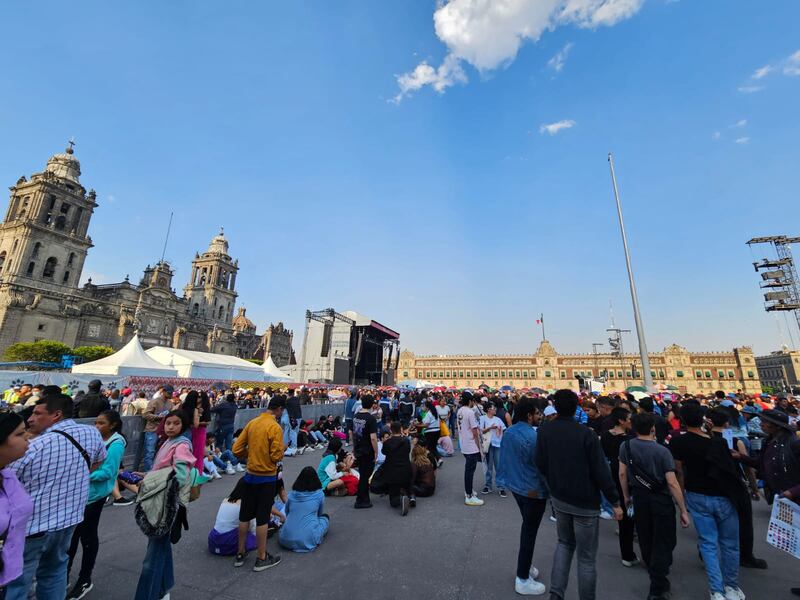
(205, 365)
(131, 359)
(416, 384)
(273, 373)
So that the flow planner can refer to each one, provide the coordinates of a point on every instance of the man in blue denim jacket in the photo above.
(517, 472)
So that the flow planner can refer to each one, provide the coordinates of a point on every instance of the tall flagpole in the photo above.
(648, 378)
(541, 319)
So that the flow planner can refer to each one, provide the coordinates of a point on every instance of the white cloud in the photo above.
(554, 128)
(716, 135)
(557, 62)
(762, 72)
(739, 124)
(792, 65)
(750, 89)
(743, 140)
(487, 34)
(447, 74)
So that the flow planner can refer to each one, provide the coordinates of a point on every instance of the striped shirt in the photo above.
(55, 475)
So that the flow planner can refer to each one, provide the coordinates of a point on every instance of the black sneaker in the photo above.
(266, 563)
(79, 590)
(362, 505)
(239, 560)
(404, 505)
(122, 502)
(503, 494)
(486, 490)
(753, 563)
(412, 501)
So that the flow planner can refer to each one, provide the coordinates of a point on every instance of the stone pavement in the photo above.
(442, 550)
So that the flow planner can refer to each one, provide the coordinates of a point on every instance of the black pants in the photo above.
(86, 534)
(396, 492)
(532, 510)
(431, 441)
(471, 464)
(626, 529)
(745, 509)
(366, 464)
(654, 515)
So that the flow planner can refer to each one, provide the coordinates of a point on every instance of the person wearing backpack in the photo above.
(649, 485)
(101, 482)
(163, 509)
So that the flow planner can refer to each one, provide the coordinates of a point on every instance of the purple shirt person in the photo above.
(16, 506)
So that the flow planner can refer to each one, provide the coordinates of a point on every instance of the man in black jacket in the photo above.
(93, 402)
(225, 410)
(571, 459)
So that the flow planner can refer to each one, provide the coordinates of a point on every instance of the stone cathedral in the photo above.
(44, 241)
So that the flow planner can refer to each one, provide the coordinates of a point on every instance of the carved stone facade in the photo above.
(43, 247)
(277, 341)
(690, 372)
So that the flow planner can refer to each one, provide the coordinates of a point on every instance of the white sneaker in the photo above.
(716, 596)
(239, 468)
(733, 593)
(604, 514)
(553, 519)
(529, 587)
(534, 573)
(217, 475)
(229, 469)
(473, 500)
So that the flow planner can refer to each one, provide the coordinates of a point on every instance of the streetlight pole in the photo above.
(648, 379)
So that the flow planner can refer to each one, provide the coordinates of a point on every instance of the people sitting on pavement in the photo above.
(306, 522)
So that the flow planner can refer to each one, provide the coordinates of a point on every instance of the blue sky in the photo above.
(347, 173)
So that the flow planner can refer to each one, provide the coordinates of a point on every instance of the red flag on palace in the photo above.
(538, 321)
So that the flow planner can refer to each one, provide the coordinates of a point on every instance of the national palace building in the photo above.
(690, 372)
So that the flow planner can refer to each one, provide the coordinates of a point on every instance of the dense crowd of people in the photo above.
(650, 463)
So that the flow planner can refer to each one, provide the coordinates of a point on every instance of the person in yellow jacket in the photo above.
(261, 443)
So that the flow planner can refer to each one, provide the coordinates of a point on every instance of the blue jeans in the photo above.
(225, 438)
(492, 462)
(579, 533)
(150, 439)
(46, 558)
(157, 577)
(717, 524)
(321, 439)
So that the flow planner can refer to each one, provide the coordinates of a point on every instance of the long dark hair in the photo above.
(307, 481)
(334, 445)
(238, 491)
(205, 407)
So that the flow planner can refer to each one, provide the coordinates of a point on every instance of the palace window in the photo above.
(483, 374)
(461, 374)
(447, 374)
(31, 267)
(619, 374)
(628, 374)
(721, 374)
(731, 374)
(698, 374)
(502, 374)
(547, 373)
(518, 375)
(750, 374)
(652, 373)
(2, 260)
(65, 279)
(708, 374)
(661, 374)
(563, 374)
(195, 309)
(70, 259)
(36, 247)
(495, 374)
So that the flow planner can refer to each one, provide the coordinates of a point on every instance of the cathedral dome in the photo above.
(241, 322)
(65, 165)
(218, 245)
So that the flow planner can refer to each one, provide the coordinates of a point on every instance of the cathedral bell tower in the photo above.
(210, 293)
(43, 239)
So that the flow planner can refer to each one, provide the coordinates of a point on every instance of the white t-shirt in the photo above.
(466, 423)
(443, 412)
(228, 518)
(497, 434)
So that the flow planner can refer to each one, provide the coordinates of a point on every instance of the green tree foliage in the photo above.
(43, 350)
(90, 353)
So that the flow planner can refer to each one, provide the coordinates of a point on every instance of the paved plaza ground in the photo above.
(442, 550)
